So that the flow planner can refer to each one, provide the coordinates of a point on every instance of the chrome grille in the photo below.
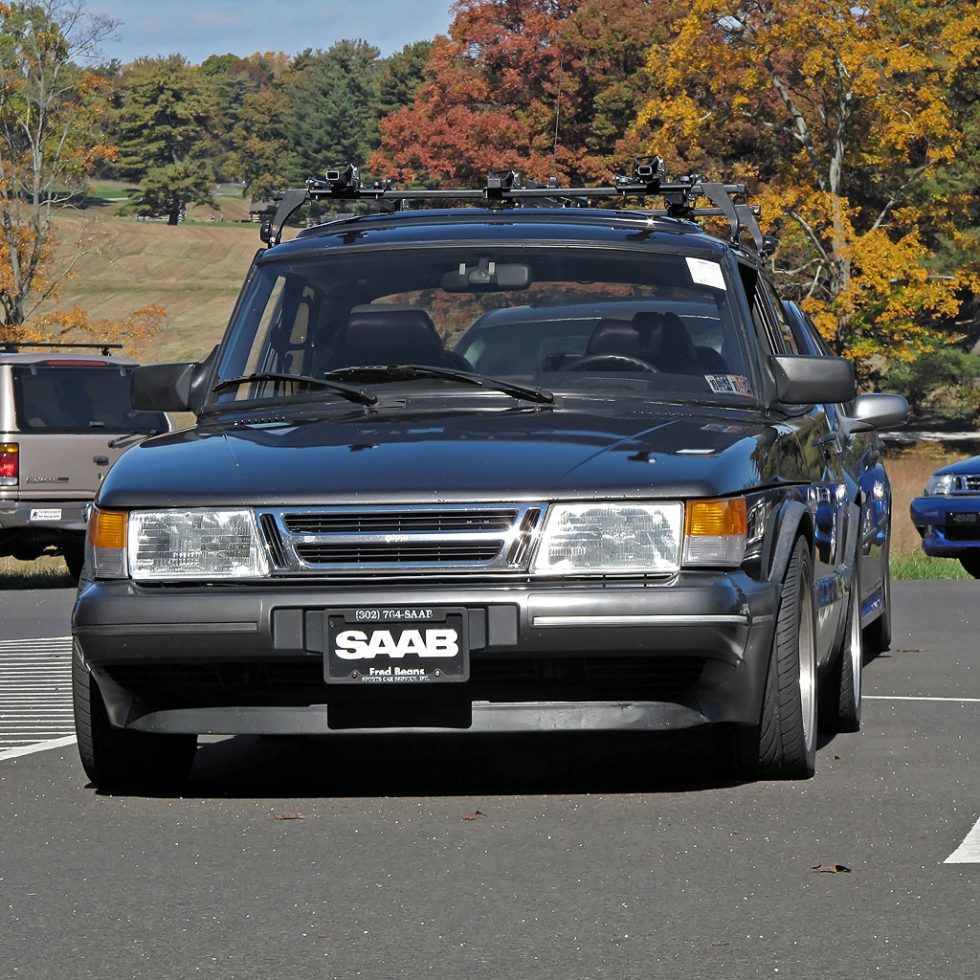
(400, 540)
(971, 484)
(399, 522)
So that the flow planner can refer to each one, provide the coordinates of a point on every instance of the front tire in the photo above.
(116, 759)
(784, 746)
(74, 555)
(843, 687)
(971, 562)
(878, 635)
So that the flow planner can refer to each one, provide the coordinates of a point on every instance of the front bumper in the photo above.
(543, 656)
(942, 537)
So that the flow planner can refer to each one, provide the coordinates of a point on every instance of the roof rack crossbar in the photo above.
(510, 187)
(13, 346)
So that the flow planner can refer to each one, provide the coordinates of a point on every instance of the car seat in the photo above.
(666, 342)
(404, 335)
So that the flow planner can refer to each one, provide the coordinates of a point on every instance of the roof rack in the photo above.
(13, 346)
(508, 188)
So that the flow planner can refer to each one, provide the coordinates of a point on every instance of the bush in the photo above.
(943, 380)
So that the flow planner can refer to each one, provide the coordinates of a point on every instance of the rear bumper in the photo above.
(941, 537)
(34, 524)
(247, 659)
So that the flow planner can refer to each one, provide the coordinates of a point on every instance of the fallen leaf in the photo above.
(832, 869)
(292, 816)
(473, 815)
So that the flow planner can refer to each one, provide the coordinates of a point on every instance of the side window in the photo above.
(771, 328)
(789, 343)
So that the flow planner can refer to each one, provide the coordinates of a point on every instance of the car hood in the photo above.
(459, 456)
(962, 467)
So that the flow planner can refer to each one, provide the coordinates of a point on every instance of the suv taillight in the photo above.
(9, 464)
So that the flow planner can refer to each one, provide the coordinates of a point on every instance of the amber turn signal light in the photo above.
(107, 528)
(716, 518)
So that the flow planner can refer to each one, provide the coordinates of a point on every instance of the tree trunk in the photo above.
(173, 217)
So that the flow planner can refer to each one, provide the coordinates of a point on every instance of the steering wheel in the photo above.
(621, 362)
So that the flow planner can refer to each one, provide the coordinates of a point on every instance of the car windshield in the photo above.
(561, 318)
(86, 396)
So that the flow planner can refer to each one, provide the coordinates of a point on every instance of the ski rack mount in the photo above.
(509, 189)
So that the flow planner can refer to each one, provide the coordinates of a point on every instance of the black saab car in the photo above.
(494, 468)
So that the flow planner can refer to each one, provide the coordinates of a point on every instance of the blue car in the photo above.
(948, 515)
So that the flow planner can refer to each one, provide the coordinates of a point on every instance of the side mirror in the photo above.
(171, 387)
(876, 412)
(806, 380)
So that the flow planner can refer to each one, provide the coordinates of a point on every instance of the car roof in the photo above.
(503, 226)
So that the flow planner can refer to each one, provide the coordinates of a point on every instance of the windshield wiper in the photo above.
(349, 392)
(133, 436)
(409, 372)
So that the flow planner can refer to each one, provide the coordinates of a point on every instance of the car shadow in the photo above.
(450, 765)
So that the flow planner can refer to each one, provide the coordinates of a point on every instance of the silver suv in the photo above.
(65, 418)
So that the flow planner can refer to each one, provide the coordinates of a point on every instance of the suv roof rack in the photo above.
(507, 188)
(13, 346)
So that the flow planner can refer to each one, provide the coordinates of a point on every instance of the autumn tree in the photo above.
(839, 111)
(163, 123)
(543, 86)
(50, 140)
(260, 144)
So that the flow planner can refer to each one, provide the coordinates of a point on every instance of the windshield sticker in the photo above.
(704, 272)
(728, 384)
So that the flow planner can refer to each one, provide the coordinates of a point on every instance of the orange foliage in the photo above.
(76, 326)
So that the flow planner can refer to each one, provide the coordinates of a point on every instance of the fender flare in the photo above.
(791, 515)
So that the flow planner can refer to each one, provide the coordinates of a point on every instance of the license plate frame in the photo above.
(963, 518)
(386, 646)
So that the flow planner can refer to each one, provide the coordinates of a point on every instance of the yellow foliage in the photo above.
(851, 95)
(76, 326)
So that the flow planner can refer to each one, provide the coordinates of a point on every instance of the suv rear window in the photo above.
(78, 398)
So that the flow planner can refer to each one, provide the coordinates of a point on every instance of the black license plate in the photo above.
(963, 517)
(396, 645)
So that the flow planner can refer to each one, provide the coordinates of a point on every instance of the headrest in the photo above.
(400, 335)
(614, 337)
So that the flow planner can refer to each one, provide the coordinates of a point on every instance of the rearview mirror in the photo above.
(487, 276)
(807, 380)
(879, 411)
(171, 387)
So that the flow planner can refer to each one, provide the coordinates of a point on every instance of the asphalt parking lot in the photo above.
(574, 858)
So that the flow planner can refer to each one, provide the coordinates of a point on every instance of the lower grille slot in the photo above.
(401, 553)
(492, 678)
(961, 532)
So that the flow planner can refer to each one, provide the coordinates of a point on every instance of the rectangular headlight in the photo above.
(195, 544)
(611, 537)
(940, 484)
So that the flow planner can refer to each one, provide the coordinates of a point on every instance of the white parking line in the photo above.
(35, 695)
(905, 697)
(51, 743)
(969, 851)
